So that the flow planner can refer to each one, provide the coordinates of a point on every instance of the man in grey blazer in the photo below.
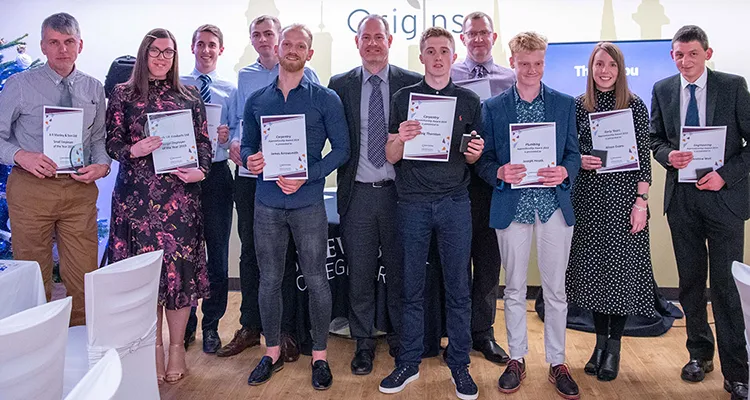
(712, 211)
(366, 191)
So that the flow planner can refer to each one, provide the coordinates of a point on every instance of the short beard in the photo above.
(292, 66)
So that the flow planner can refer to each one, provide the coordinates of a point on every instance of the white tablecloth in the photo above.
(21, 286)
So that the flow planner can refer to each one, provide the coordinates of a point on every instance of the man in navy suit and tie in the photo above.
(366, 191)
(711, 212)
(517, 213)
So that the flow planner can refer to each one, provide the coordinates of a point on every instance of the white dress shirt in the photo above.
(700, 97)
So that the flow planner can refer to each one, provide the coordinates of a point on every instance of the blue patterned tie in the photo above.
(205, 92)
(691, 117)
(377, 133)
(478, 72)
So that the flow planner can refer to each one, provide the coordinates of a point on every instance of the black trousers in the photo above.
(216, 204)
(244, 198)
(370, 235)
(485, 256)
(706, 233)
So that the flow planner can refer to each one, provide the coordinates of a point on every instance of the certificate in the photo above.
(479, 86)
(707, 144)
(613, 137)
(244, 172)
(436, 115)
(284, 141)
(177, 134)
(213, 120)
(63, 137)
(534, 146)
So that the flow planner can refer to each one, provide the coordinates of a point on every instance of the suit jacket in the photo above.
(727, 103)
(497, 114)
(348, 86)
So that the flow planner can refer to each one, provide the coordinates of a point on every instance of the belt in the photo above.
(381, 184)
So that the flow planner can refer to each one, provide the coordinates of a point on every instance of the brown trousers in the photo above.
(41, 208)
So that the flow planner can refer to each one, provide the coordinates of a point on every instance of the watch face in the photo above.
(643, 196)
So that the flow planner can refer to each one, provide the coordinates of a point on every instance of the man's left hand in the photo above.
(290, 186)
(90, 173)
(552, 176)
(223, 131)
(712, 181)
(474, 150)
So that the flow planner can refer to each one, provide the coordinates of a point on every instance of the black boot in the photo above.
(592, 367)
(610, 366)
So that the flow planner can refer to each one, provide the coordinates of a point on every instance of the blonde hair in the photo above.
(526, 42)
(301, 28)
(436, 31)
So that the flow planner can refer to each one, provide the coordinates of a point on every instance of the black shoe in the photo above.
(566, 387)
(264, 370)
(510, 380)
(466, 389)
(362, 362)
(696, 370)
(321, 375)
(492, 351)
(399, 378)
(610, 366)
(592, 367)
(737, 389)
(189, 338)
(211, 341)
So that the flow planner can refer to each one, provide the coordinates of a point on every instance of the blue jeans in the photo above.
(309, 229)
(450, 219)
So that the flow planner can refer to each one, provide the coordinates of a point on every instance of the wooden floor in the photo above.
(650, 369)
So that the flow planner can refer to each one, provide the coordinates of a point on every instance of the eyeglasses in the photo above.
(473, 34)
(168, 53)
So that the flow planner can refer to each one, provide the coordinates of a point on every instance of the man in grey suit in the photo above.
(711, 211)
(366, 193)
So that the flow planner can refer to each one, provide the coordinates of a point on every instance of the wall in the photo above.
(116, 28)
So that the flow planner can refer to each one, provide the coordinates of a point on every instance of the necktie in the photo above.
(691, 117)
(205, 92)
(66, 99)
(478, 72)
(376, 131)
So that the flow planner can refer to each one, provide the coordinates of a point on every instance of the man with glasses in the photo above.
(40, 201)
(478, 37)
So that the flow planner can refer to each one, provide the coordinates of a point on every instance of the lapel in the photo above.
(676, 89)
(712, 95)
(355, 87)
(549, 104)
(394, 81)
(509, 105)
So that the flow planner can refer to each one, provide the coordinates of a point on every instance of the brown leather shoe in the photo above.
(243, 339)
(289, 348)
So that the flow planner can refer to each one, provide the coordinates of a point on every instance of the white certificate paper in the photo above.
(244, 172)
(707, 144)
(614, 133)
(63, 137)
(436, 115)
(535, 146)
(213, 120)
(284, 141)
(178, 148)
(479, 86)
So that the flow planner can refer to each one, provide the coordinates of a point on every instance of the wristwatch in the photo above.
(643, 196)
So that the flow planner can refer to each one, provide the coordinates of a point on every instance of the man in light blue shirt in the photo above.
(216, 190)
(264, 36)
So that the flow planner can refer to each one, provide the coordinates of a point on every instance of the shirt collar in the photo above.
(382, 74)
(56, 77)
(263, 68)
(700, 82)
(304, 83)
(427, 89)
(517, 97)
(471, 64)
(213, 74)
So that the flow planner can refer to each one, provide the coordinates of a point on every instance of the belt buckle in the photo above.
(378, 185)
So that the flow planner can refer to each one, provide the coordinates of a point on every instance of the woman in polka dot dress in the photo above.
(610, 270)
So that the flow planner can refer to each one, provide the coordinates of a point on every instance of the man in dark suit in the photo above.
(713, 210)
(366, 193)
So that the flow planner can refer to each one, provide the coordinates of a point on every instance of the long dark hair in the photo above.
(622, 92)
(138, 82)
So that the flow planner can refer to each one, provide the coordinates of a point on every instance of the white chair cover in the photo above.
(741, 273)
(120, 314)
(21, 286)
(32, 352)
(102, 381)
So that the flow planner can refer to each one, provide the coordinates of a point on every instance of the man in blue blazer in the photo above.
(516, 213)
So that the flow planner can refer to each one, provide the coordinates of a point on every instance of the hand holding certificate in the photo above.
(178, 148)
(534, 146)
(707, 145)
(284, 142)
(613, 139)
(435, 114)
(63, 138)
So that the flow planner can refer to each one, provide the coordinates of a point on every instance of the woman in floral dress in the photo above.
(150, 211)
